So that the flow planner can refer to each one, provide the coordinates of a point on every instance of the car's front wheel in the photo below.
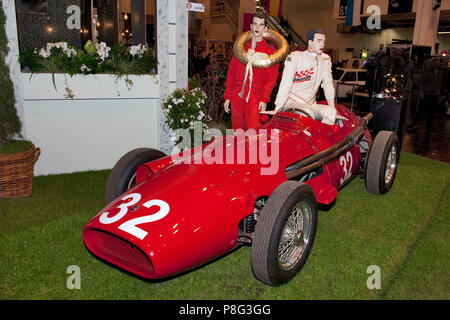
(284, 233)
(123, 175)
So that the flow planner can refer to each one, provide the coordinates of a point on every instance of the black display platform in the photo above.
(388, 114)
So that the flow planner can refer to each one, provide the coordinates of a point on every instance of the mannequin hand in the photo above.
(262, 106)
(226, 105)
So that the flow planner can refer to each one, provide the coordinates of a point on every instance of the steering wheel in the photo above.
(300, 112)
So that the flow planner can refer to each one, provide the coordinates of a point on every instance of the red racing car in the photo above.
(165, 215)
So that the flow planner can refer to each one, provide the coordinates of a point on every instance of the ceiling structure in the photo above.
(408, 20)
(405, 20)
(313, 4)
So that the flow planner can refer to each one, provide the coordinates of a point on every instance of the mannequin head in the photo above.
(258, 27)
(316, 40)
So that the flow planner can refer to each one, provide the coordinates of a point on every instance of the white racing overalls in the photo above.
(303, 72)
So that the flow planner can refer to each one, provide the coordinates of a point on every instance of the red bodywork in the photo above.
(194, 209)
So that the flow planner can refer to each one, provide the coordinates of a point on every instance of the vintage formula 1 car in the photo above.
(165, 215)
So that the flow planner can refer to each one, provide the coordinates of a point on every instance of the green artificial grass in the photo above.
(405, 233)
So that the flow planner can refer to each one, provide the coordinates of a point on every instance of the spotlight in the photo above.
(394, 3)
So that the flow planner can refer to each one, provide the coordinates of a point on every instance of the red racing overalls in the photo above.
(245, 115)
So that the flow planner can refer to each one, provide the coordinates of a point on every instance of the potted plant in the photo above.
(182, 109)
(212, 81)
(17, 157)
(94, 58)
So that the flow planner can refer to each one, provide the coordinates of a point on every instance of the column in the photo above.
(87, 8)
(182, 44)
(172, 52)
(426, 26)
(12, 59)
(138, 22)
(108, 13)
(246, 7)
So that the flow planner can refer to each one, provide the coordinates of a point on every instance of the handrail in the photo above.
(273, 23)
(225, 9)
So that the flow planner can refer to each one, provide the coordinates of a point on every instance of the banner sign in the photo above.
(198, 7)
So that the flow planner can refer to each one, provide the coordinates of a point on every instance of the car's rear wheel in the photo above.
(382, 162)
(123, 175)
(284, 233)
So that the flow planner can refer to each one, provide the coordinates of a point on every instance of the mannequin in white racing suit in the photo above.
(303, 72)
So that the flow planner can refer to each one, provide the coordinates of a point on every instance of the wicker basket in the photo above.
(16, 173)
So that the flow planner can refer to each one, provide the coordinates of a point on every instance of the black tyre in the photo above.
(284, 233)
(123, 175)
(382, 162)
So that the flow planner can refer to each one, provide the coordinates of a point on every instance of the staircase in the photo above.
(223, 9)
(285, 30)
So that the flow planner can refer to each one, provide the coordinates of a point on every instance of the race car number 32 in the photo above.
(130, 226)
(343, 161)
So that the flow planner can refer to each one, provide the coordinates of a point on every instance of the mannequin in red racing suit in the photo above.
(248, 94)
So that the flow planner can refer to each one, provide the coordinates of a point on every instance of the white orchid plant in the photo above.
(185, 107)
(138, 50)
(119, 60)
(92, 58)
(68, 51)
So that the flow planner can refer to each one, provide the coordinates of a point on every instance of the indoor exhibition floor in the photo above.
(430, 137)
(429, 140)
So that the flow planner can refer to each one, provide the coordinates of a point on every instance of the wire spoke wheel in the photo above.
(284, 233)
(295, 236)
(391, 165)
(132, 181)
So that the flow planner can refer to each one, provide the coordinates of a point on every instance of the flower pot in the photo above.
(16, 173)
